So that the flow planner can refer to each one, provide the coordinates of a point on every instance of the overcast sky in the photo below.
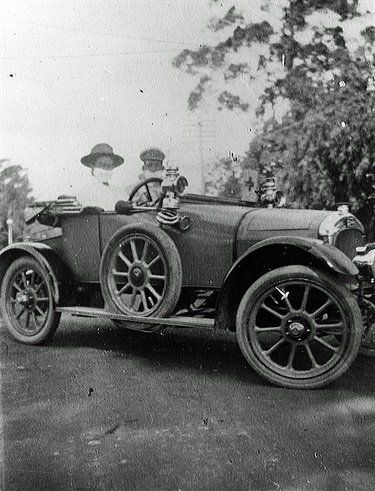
(78, 73)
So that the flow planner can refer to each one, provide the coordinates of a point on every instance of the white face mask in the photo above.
(147, 174)
(103, 175)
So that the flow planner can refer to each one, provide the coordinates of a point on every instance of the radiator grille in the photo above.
(347, 240)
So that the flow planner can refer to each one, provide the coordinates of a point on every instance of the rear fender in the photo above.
(49, 260)
(275, 253)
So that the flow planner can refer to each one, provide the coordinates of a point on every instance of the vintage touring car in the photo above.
(282, 279)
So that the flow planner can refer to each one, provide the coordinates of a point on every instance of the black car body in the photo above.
(280, 278)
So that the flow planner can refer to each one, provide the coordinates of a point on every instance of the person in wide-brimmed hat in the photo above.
(99, 191)
(102, 153)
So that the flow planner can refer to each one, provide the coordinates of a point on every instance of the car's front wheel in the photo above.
(27, 302)
(299, 328)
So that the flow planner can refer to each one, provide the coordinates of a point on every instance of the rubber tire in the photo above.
(52, 319)
(344, 297)
(173, 268)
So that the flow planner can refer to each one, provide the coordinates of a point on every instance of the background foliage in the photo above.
(317, 107)
(14, 197)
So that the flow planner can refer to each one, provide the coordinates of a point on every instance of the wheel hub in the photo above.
(297, 330)
(25, 298)
(137, 276)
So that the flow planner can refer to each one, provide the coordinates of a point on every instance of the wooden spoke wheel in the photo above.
(141, 272)
(27, 301)
(299, 328)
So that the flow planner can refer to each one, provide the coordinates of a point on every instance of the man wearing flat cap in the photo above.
(152, 159)
(99, 191)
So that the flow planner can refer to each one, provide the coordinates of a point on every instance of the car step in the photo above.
(166, 321)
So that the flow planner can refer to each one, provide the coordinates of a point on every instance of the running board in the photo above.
(165, 321)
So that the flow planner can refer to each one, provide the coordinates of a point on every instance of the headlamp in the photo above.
(181, 185)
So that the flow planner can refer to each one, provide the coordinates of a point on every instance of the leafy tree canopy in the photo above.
(14, 197)
(316, 109)
(273, 41)
(328, 155)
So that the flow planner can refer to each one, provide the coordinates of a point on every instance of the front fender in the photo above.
(332, 257)
(271, 254)
(46, 257)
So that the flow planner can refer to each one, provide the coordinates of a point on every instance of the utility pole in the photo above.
(200, 133)
(203, 180)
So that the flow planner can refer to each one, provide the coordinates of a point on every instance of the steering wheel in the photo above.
(145, 197)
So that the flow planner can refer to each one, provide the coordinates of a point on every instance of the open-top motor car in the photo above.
(281, 279)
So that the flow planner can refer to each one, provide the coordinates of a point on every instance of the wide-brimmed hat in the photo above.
(100, 150)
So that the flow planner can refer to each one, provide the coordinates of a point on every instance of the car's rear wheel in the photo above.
(299, 328)
(141, 273)
(27, 302)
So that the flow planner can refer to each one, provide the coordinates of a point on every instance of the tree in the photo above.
(316, 111)
(327, 148)
(326, 140)
(260, 54)
(222, 178)
(15, 192)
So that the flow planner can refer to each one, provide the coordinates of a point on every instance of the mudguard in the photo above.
(332, 257)
(271, 254)
(47, 258)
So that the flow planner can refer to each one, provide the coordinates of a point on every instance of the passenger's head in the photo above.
(102, 161)
(152, 159)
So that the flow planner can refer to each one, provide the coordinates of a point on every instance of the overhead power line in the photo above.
(87, 55)
(101, 33)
